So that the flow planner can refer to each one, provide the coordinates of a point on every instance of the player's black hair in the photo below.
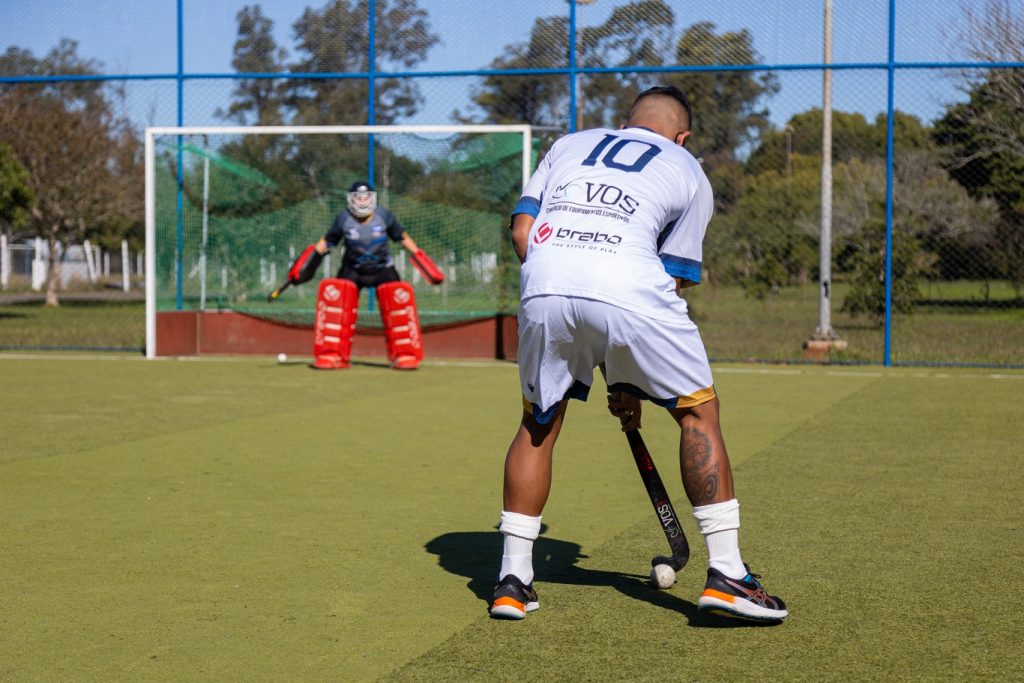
(669, 91)
(361, 186)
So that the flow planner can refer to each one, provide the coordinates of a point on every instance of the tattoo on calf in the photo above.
(708, 488)
(696, 449)
(700, 470)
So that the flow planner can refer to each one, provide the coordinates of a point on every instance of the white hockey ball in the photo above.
(663, 576)
(282, 357)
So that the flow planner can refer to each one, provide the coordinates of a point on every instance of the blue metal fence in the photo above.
(775, 23)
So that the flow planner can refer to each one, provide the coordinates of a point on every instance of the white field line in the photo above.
(295, 360)
(255, 358)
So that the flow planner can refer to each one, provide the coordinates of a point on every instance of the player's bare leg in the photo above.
(703, 460)
(526, 489)
(528, 464)
(731, 589)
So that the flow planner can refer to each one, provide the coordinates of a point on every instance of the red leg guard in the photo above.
(401, 324)
(337, 305)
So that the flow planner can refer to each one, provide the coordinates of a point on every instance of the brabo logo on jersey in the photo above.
(591, 198)
(542, 234)
(576, 239)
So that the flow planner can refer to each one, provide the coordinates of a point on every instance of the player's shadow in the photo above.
(476, 554)
(372, 363)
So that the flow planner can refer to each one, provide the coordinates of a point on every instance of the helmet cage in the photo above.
(362, 202)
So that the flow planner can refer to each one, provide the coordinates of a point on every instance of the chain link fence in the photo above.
(925, 102)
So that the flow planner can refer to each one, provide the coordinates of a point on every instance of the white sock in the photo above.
(520, 532)
(719, 524)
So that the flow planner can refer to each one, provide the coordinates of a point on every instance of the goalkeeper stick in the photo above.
(273, 296)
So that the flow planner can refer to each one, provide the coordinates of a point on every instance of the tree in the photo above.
(728, 107)
(973, 161)
(84, 160)
(537, 100)
(256, 100)
(335, 40)
(769, 238)
(853, 137)
(983, 138)
(935, 223)
(16, 195)
(636, 34)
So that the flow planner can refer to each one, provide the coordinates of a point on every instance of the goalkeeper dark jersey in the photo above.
(366, 243)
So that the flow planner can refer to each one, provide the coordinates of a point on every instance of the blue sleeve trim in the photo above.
(528, 205)
(684, 268)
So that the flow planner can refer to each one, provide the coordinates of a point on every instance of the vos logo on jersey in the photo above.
(401, 296)
(542, 234)
(331, 293)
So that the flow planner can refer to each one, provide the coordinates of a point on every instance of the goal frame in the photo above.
(150, 172)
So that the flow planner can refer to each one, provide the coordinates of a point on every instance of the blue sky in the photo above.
(132, 36)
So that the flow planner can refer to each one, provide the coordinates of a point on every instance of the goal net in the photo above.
(229, 208)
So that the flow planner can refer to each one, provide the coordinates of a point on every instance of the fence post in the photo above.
(126, 265)
(90, 269)
(38, 266)
(5, 261)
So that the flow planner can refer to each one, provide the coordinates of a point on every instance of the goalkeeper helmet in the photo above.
(362, 200)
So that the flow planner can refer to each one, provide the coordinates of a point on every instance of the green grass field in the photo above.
(240, 520)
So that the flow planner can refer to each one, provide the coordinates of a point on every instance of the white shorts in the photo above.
(562, 339)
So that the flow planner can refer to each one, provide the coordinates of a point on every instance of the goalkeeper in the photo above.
(365, 230)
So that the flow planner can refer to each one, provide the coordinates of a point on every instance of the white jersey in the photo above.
(618, 214)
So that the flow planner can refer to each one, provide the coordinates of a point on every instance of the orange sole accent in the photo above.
(502, 602)
(711, 593)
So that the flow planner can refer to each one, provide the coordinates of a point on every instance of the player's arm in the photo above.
(408, 244)
(528, 207)
(683, 283)
(396, 232)
(520, 225)
(423, 263)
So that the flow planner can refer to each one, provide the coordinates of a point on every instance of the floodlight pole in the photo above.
(575, 57)
(825, 338)
(825, 330)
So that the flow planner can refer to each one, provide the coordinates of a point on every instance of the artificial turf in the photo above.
(236, 519)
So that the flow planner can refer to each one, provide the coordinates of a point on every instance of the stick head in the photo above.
(677, 561)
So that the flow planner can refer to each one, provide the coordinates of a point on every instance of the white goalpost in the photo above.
(226, 206)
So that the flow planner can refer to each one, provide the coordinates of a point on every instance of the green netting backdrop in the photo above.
(249, 204)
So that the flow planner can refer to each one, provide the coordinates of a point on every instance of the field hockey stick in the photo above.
(277, 292)
(660, 500)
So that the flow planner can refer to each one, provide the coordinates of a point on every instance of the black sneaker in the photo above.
(513, 599)
(740, 598)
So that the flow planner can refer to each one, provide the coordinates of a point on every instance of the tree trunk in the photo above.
(53, 274)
